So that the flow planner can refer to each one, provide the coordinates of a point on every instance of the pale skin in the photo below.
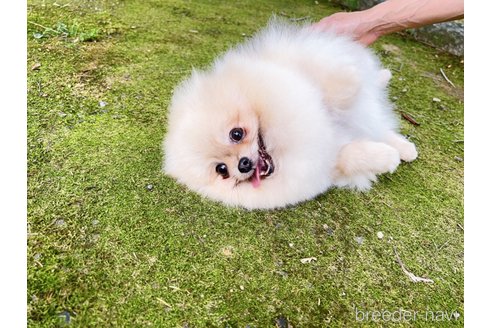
(391, 16)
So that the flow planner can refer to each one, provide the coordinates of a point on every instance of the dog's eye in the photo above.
(236, 134)
(221, 169)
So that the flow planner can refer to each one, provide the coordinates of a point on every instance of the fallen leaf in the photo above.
(308, 260)
(389, 48)
(227, 251)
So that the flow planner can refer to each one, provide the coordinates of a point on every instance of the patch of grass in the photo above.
(73, 31)
(114, 242)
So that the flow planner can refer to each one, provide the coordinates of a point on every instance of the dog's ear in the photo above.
(341, 86)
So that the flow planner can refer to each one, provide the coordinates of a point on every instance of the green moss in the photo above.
(114, 242)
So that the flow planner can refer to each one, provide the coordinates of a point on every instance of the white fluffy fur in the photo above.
(319, 101)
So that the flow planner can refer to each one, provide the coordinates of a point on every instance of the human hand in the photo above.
(391, 16)
(351, 24)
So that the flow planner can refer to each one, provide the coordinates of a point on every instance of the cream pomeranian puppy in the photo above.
(282, 118)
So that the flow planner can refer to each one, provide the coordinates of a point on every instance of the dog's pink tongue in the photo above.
(256, 181)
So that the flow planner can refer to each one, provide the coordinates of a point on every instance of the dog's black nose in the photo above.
(245, 165)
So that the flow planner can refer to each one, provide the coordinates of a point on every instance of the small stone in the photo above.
(36, 67)
(60, 223)
(94, 238)
(281, 322)
(149, 187)
(65, 316)
(458, 159)
(380, 234)
(102, 104)
(282, 273)
(241, 287)
(436, 99)
(329, 231)
(359, 240)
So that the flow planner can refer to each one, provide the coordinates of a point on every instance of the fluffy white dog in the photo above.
(282, 118)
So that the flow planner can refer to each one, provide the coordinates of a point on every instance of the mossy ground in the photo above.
(114, 242)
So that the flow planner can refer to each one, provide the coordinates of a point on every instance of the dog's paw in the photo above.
(408, 151)
(362, 157)
(359, 162)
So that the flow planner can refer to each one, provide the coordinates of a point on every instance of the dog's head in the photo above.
(215, 136)
(248, 133)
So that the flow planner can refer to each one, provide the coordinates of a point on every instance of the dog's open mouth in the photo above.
(264, 165)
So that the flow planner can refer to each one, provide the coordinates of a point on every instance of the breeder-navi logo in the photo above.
(402, 315)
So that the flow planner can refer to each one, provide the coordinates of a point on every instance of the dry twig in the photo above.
(300, 19)
(413, 277)
(446, 78)
(160, 300)
(409, 118)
